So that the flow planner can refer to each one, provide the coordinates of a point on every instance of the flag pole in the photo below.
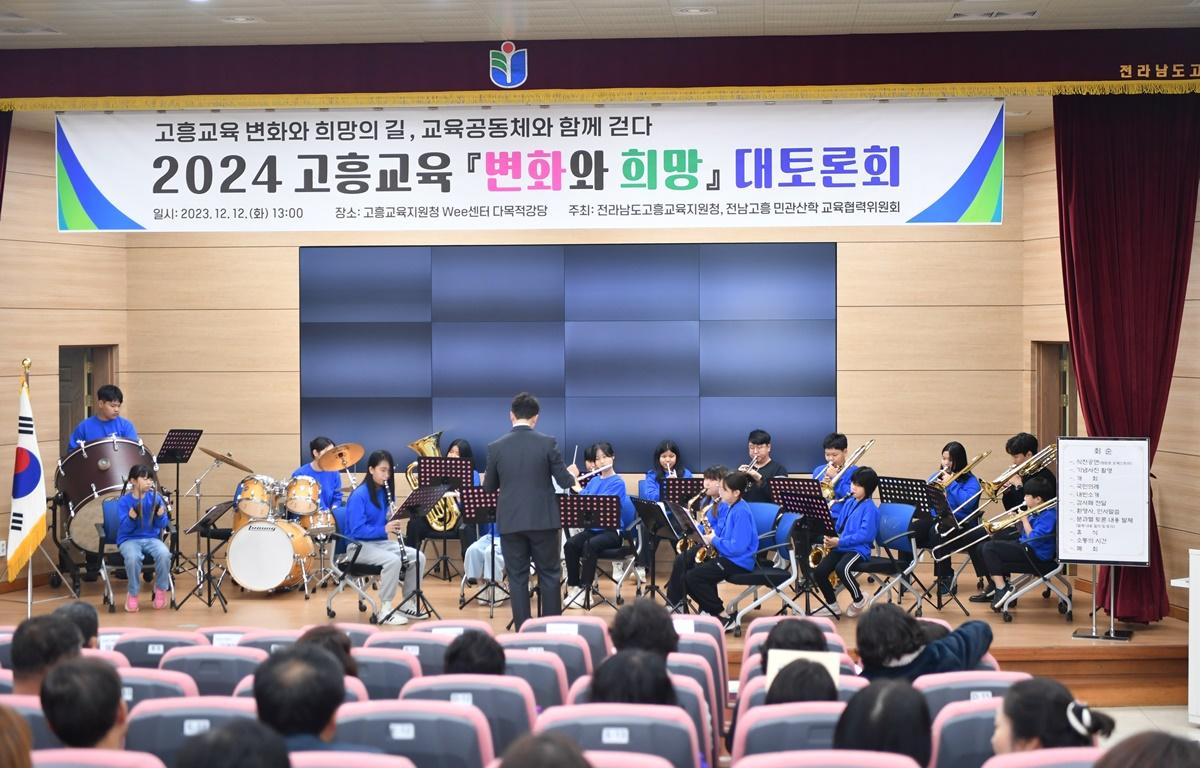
(26, 364)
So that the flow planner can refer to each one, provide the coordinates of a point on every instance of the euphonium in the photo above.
(444, 515)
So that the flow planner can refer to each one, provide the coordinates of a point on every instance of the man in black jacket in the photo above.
(520, 466)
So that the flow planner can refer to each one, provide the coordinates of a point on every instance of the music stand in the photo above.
(583, 511)
(456, 474)
(654, 522)
(418, 504)
(802, 496)
(929, 503)
(479, 508)
(177, 447)
(205, 569)
(680, 489)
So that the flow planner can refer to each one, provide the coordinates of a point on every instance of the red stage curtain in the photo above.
(5, 130)
(1128, 170)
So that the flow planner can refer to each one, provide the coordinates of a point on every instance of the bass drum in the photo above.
(89, 475)
(266, 554)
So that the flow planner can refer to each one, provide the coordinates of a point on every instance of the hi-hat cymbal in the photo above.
(340, 457)
(225, 458)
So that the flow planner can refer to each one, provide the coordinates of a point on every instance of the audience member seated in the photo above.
(934, 631)
(38, 644)
(84, 617)
(886, 716)
(15, 739)
(1152, 748)
(1042, 714)
(891, 643)
(544, 750)
(474, 653)
(796, 635)
(240, 743)
(82, 701)
(298, 691)
(644, 625)
(633, 677)
(802, 680)
(335, 641)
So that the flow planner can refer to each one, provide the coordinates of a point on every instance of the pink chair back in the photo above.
(590, 628)
(962, 731)
(164, 678)
(343, 759)
(764, 624)
(712, 648)
(146, 648)
(809, 722)
(495, 696)
(100, 758)
(216, 670)
(269, 640)
(428, 649)
(454, 627)
(227, 636)
(945, 687)
(562, 646)
(6, 681)
(358, 633)
(848, 685)
(107, 637)
(703, 624)
(515, 657)
(115, 658)
(1060, 757)
(599, 759)
(990, 662)
(598, 726)
(828, 758)
(412, 725)
(160, 726)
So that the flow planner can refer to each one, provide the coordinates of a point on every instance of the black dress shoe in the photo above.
(983, 597)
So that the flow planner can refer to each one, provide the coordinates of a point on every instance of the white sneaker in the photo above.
(854, 609)
(618, 571)
(575, 597)
(409, 609)
(832, 612)
(395, 620)
(641, 574)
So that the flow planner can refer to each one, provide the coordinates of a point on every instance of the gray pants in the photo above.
(387, 554)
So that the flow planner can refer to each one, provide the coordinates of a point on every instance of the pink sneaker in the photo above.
(160, 599)
(131, 605)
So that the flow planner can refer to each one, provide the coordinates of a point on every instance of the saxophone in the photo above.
(701, 520)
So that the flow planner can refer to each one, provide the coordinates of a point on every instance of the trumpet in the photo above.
(829, 487)
(751, 467)
(985, 529)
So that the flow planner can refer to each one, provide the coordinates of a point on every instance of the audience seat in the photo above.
(107, 637)
(138, 685)
(704, 624)
(355, 689)
(430, 733)
(752, 668)
(785, 727)
(116, 658)
(962, 733)
(146, 649)
(703, 645)
(159, 726)
(989, 662)
(30, 708)
(228, 635)
(358, 633)
(848, 685)
(763, 624)
(332, 759)
(696, 668)
(591, 628)
(99, 758)
(506, 702)
(6, 681)
(572, 650)
(428, 648)
(945, 687)
(216, 670)
(828, 758)
(646, 728)
(453, 627)
(833, 641)
(385, 670)
(598, 759)
(544, 672)
(5, 650)
(269, 640)
(1061, 757)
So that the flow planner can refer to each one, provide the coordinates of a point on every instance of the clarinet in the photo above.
(391, 508)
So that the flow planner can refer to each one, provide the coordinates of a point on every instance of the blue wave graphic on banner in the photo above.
(103, 214)
(951, 206)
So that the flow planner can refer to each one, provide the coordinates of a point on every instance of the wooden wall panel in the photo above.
(31, 152)
(1175, 546)
(237, 402)
(928, 274)
(214, 339)
(43, 393)
(947, 338)
(1181, 427)
(1177, 490)
(38, 333)
(928, 402)
(186, 278)
(1038, 152)
(30, 214)
(1040, 209)
(1042, 279)
(1187, 357)
(1045, 323)
(56, 276)
(905, 455)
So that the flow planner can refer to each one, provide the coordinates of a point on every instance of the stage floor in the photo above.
(1150, 670)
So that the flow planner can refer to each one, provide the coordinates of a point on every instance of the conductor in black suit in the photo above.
(520, 466)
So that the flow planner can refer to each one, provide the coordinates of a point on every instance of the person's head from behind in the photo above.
(793, 635)
(319, 445)
(84, 617)
(666, 458)
(81, 699)
(298, 691)
(1152, 748)
(1021, 446)
(886, 716)
(525, 407)
(1037, 490)
(16, 742)
(38, 644)
(335, 641)
(109, 399)
(733, 486)
(645, 625)
(1042, 714)
(887, 632)
(633, 677)
(802, 680)
(240, 743)
(474, 653)
(863, 483)
(543, 750)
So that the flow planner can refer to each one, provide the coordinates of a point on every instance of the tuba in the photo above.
(444, 515)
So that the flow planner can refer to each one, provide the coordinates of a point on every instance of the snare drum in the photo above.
(96, 470)
(256, 496)
(266, 554)
(303, 495)
(320, 525)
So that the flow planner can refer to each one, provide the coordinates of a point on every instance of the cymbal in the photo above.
(340, 457)
(225, 458)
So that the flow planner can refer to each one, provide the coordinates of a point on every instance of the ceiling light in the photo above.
(696, 10)
(240, 19)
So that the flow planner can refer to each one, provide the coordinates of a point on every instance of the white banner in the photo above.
(727, 165)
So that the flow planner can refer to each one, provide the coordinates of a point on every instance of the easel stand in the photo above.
(177, 447)
(802, 496)
(205, 565)
(479, 508)
(456, 474)
(579, 511)
(1122, 635)
(656, 527)
(418, 504)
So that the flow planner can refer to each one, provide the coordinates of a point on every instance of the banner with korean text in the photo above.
(649, 166)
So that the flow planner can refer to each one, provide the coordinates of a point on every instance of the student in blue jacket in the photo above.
(106, 421)
(580, 552)
(666, 464)
(836, 448)
(962, 496)
(735, 540)
(330, 481)
(856, 531)
(143, 518)
(1003, 558)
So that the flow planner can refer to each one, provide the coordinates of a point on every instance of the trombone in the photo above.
(829, 487)
(1031, 466)
(981, 531)
(942, 481)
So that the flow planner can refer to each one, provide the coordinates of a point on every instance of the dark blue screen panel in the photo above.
(372, 285)
(768, 358)
(498, 283)
(633, 359)
(364, 360)
(632, 282)
(797, 426)
(497, 359)
(768, 281)
(480, 420)
(375, 422)
(635, 425)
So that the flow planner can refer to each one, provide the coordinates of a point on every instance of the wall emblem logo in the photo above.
(509, 66)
